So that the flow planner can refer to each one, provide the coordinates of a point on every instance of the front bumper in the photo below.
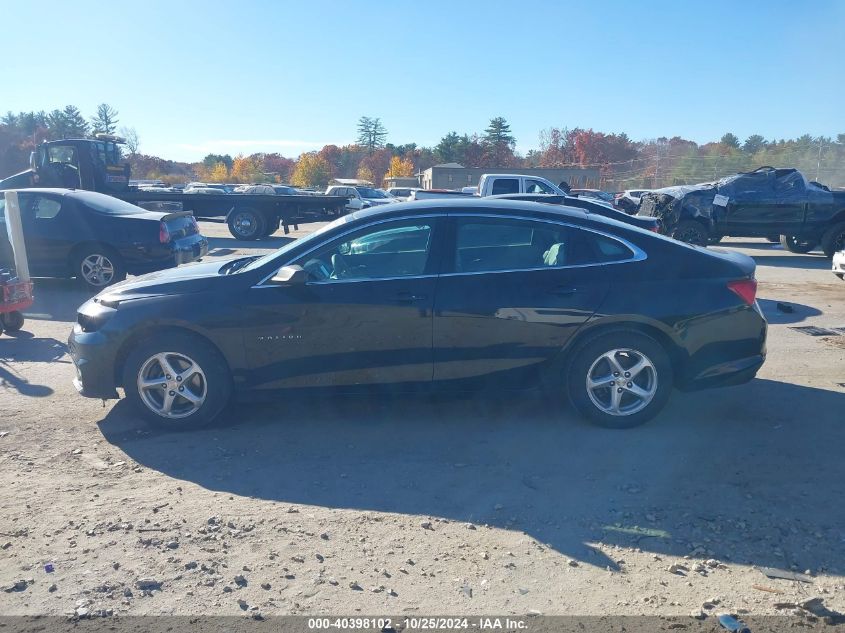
(94, 360)
(838, 265)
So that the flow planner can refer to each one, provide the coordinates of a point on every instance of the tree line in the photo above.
(622, 162)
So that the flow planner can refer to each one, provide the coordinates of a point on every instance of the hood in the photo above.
(180, 280)
(22, 180)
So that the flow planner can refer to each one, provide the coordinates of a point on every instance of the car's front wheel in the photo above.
(620, 379)
(177, 381)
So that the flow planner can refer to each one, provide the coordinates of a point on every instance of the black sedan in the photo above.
(458, 294)
(99, 239)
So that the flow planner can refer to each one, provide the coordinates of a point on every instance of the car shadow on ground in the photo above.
(22, 347)
(228, 245)
(56, 299)
(784, 312)
(739, 474)
(812, 262)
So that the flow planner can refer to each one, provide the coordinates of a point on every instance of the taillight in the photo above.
(655, 228)
(163, 233)
(746, 289)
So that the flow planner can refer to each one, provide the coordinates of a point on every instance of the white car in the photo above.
(839, 264)
(402, 193)
(355, 203)
(629, 200)
(375, 196)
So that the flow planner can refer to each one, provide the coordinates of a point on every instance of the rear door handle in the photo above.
(563, 291)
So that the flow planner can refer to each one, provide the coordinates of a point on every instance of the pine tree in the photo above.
(105, 120)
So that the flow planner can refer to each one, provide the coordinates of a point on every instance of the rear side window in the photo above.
(505, 185)
(609, 250)
(501, 244)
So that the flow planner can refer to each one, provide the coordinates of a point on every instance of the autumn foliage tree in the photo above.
(399, 168)
(312, 170)
(246, 169)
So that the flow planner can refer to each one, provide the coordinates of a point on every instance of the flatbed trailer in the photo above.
(250, 216)
(95, 165)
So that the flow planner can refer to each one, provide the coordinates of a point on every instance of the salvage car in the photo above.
(761, 203)
(453, 295)
(592, 205)
(99, 239)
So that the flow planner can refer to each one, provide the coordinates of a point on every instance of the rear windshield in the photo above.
(107, 204)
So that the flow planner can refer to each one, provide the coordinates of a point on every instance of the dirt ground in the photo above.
(457, 505)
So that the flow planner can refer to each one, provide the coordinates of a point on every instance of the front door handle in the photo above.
(409, 297)
(563, 291)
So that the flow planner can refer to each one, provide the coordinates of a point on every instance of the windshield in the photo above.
(369, 192)
(311, 237)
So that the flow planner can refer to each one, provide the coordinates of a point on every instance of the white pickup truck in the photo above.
(498, 184)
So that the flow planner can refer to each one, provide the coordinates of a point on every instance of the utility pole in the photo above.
(819, 163)
(656, 164)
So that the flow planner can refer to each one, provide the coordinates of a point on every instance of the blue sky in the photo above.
(194, 77)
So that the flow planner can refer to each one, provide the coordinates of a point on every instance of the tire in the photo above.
(98, 266)
(627, 348)
(833, 239)
(271, 227)
(210, 388)
(691, 232)
(247, 224)
(774, 239)
(11, 321)
(797, 245)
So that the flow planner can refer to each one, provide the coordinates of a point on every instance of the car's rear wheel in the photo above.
(98, 266)
(833, 239)
(797, 244)
(177, 381)
(247, 224)
(691, 232)
(620, 379)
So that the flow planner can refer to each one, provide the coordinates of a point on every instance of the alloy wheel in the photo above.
(622, 382)
(172, 385)
(97, 270)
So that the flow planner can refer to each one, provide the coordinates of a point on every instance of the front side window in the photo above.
(39, 207)
(494, 244)
(396, 249)
(535, 186)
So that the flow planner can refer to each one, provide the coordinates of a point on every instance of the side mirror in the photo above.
(290, 276)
